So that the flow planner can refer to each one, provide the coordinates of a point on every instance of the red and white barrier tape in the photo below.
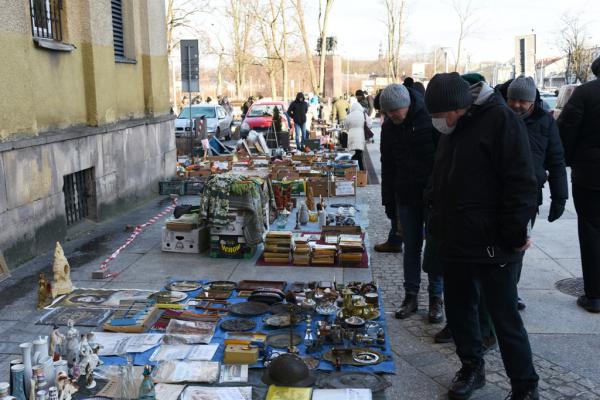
(136, 232)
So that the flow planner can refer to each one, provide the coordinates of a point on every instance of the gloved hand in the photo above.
(556, 210)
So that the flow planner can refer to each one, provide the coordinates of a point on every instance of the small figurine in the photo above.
(44, 291)
(89, 360)
(62, 273)
(310, 198)
(66, 387)
(56, 343)
(72, 350)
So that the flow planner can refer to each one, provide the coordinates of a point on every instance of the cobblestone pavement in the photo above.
(413, 337)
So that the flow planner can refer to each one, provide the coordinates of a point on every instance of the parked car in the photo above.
(260, 117)
(564, 94)
(218, 120)
(549, 100)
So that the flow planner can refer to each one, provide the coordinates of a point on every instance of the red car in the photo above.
(260, 117)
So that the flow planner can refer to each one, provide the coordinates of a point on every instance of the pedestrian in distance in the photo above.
(355, 126)
(484, 192)
(579, 125)
(297, 111)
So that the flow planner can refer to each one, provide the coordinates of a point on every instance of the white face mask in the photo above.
(442, 126)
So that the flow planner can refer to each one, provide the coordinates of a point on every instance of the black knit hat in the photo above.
(447, 92)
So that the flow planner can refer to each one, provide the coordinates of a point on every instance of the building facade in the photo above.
(85, 128)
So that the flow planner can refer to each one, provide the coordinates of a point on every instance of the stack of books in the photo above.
(324, 254)
(278, 246)
(301, 251)
(351, 249)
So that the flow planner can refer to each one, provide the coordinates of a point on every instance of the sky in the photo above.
(360, 26)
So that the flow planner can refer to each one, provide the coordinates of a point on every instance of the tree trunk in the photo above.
(273, 82)
(307, 51)
(284, 59)
(219, 74)
(328, 4)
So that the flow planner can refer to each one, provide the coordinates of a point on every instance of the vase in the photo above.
(4, 389)
(303, 214)
(40, 348)
(60, 366)
(17, 374)
(26, 349)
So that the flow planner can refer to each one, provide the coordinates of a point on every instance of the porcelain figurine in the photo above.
(89, 361)
(62, 273)
(72, 338)
(66, 387)
(57, 340)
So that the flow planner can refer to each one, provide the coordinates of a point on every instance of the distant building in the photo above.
(525, 51)
(85, 128)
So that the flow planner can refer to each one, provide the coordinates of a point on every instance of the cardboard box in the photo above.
(193, 242)
(235, 226)
(344, 187)
(362, 179)
(200, 172)
(319, 186)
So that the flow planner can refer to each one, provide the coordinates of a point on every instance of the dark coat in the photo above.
(297, 110)
(579, 125)
(546, 149)
(484, 189)
(407, 153)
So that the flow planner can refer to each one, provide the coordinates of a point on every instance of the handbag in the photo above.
(368, 132)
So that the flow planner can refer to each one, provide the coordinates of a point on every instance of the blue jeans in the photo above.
(300, 135)
(393, 237)
(412, 220)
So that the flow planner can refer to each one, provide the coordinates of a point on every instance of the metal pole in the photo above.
(435, 61)
(446, 60)
(190, 100)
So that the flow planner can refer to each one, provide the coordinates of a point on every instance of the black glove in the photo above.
(556, 210)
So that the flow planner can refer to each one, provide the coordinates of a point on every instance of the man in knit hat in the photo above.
(546, 147)
(483, 196)
(579, 124)
(408, 143)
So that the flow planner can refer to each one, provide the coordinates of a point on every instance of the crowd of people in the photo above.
(463, 165)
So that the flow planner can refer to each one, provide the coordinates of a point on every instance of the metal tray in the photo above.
(249, 308)
(238, 325)
(253, 285)
(281, 339)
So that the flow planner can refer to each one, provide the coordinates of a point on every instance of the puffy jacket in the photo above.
(340, 110)
(355, 126)
(579, 125)
(546, 150)
(484, 189)
(407, 153)
(297, 110)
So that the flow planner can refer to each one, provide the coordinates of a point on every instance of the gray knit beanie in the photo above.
(522, 88)
(447, 92)
(596, 67)
(393, 97)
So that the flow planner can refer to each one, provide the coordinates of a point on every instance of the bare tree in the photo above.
(573, 43)
(307, 49)
(395, 13)
(266, 19)
(324, 10)
(240, 17)
(180, 14)
(466, 20)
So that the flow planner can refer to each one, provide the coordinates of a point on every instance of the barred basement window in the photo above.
(45, 19)
(117, 23)
(79, 190)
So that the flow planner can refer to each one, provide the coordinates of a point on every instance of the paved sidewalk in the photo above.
(565, 339)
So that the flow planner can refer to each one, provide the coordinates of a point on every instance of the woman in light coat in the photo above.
(355, 126)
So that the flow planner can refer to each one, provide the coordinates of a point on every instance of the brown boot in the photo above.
(386, 247)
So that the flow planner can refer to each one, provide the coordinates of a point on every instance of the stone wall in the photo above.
(129, 158)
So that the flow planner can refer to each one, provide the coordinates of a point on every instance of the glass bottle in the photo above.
(147, 391)
(17, 384)
(309, 338)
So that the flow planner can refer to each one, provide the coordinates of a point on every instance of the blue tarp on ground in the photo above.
(387, 366)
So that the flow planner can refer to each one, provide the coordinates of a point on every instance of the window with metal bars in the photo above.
(79, 190)
(117, 23)
(45, 19)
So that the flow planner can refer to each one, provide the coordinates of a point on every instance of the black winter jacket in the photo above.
(484, 189)
(297, 110)
(407, 153)
(546, 149)
(579, 125)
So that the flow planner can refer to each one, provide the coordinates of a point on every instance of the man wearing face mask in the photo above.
(484, 192)
(408, 143)
(546, 147)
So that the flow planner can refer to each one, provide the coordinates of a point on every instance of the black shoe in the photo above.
(531, 394)
(520, 304)
(409, 306)
(468, 379)
(591, 305)
(387, 247)
(436, 310)
(489, 343)
(443, 336)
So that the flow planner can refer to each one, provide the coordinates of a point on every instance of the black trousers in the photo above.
(358, 155)
(462, 285)
(587, 205)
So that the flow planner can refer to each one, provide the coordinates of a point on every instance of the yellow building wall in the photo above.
(46, 90)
